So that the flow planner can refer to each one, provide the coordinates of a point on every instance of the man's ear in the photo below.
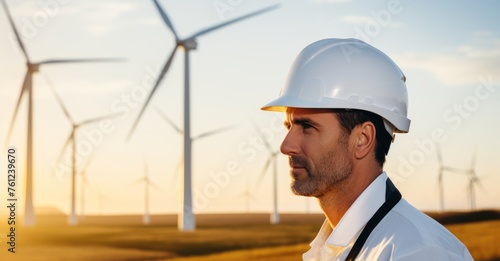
(365, 136)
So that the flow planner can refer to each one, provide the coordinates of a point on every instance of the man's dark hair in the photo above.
(351, 118)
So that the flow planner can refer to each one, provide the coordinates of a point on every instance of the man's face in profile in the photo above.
(317, 150)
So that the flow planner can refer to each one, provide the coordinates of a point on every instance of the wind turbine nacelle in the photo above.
(189, 44)
(33, 67)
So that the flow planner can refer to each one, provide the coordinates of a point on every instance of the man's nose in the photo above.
(289, 144)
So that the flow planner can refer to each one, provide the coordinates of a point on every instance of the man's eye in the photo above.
(306, 126)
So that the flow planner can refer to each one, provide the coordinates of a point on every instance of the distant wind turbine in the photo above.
(73, 220)
(442, 169)
(186, 220)
(473, 181)
(146, 220)
(273, 156)
(32, 68)
(247, 195)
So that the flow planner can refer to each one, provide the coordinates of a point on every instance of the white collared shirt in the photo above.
(405, 233)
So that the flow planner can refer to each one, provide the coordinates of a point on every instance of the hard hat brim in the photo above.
(401, 123)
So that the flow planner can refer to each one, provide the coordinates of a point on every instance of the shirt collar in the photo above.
(356, 217)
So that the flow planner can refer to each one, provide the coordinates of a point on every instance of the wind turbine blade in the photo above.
(155, 87)
(83, 172)
(139, 181)
(86, 182)
(263, 173)
(59, 100)
(244, 195)
(166, 19)
(153, 185)
(114, 115)
(94, 60)
(87, 163)
(11, 22)
(205, 31)
(24, 88)
(168, 120)
(101, 195)
(480, 184)
(454, 170)
(63, 149)
(213, 132)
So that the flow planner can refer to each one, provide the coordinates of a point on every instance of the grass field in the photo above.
(218, 237)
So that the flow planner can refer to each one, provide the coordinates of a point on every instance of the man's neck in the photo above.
(339, 199)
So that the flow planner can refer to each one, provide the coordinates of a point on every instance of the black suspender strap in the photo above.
(392, 197)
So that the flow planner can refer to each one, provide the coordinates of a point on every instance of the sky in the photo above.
(448, 50)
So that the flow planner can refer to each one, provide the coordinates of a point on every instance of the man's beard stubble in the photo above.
(333, 168)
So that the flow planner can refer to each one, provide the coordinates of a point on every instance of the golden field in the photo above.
(218, 237)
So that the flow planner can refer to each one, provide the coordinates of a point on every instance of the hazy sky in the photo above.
(448, 50)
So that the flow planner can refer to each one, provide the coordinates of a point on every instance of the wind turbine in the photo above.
(473, 180)
(73, 220)
(146, 220)
(273, 156)
(32, 68)
(147, 182)
(442, 169)
(186, 219)
(247, 195)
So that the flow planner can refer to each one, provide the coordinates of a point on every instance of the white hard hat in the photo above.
(346, 74)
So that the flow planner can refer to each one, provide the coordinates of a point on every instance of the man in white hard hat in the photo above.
(344, 101)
